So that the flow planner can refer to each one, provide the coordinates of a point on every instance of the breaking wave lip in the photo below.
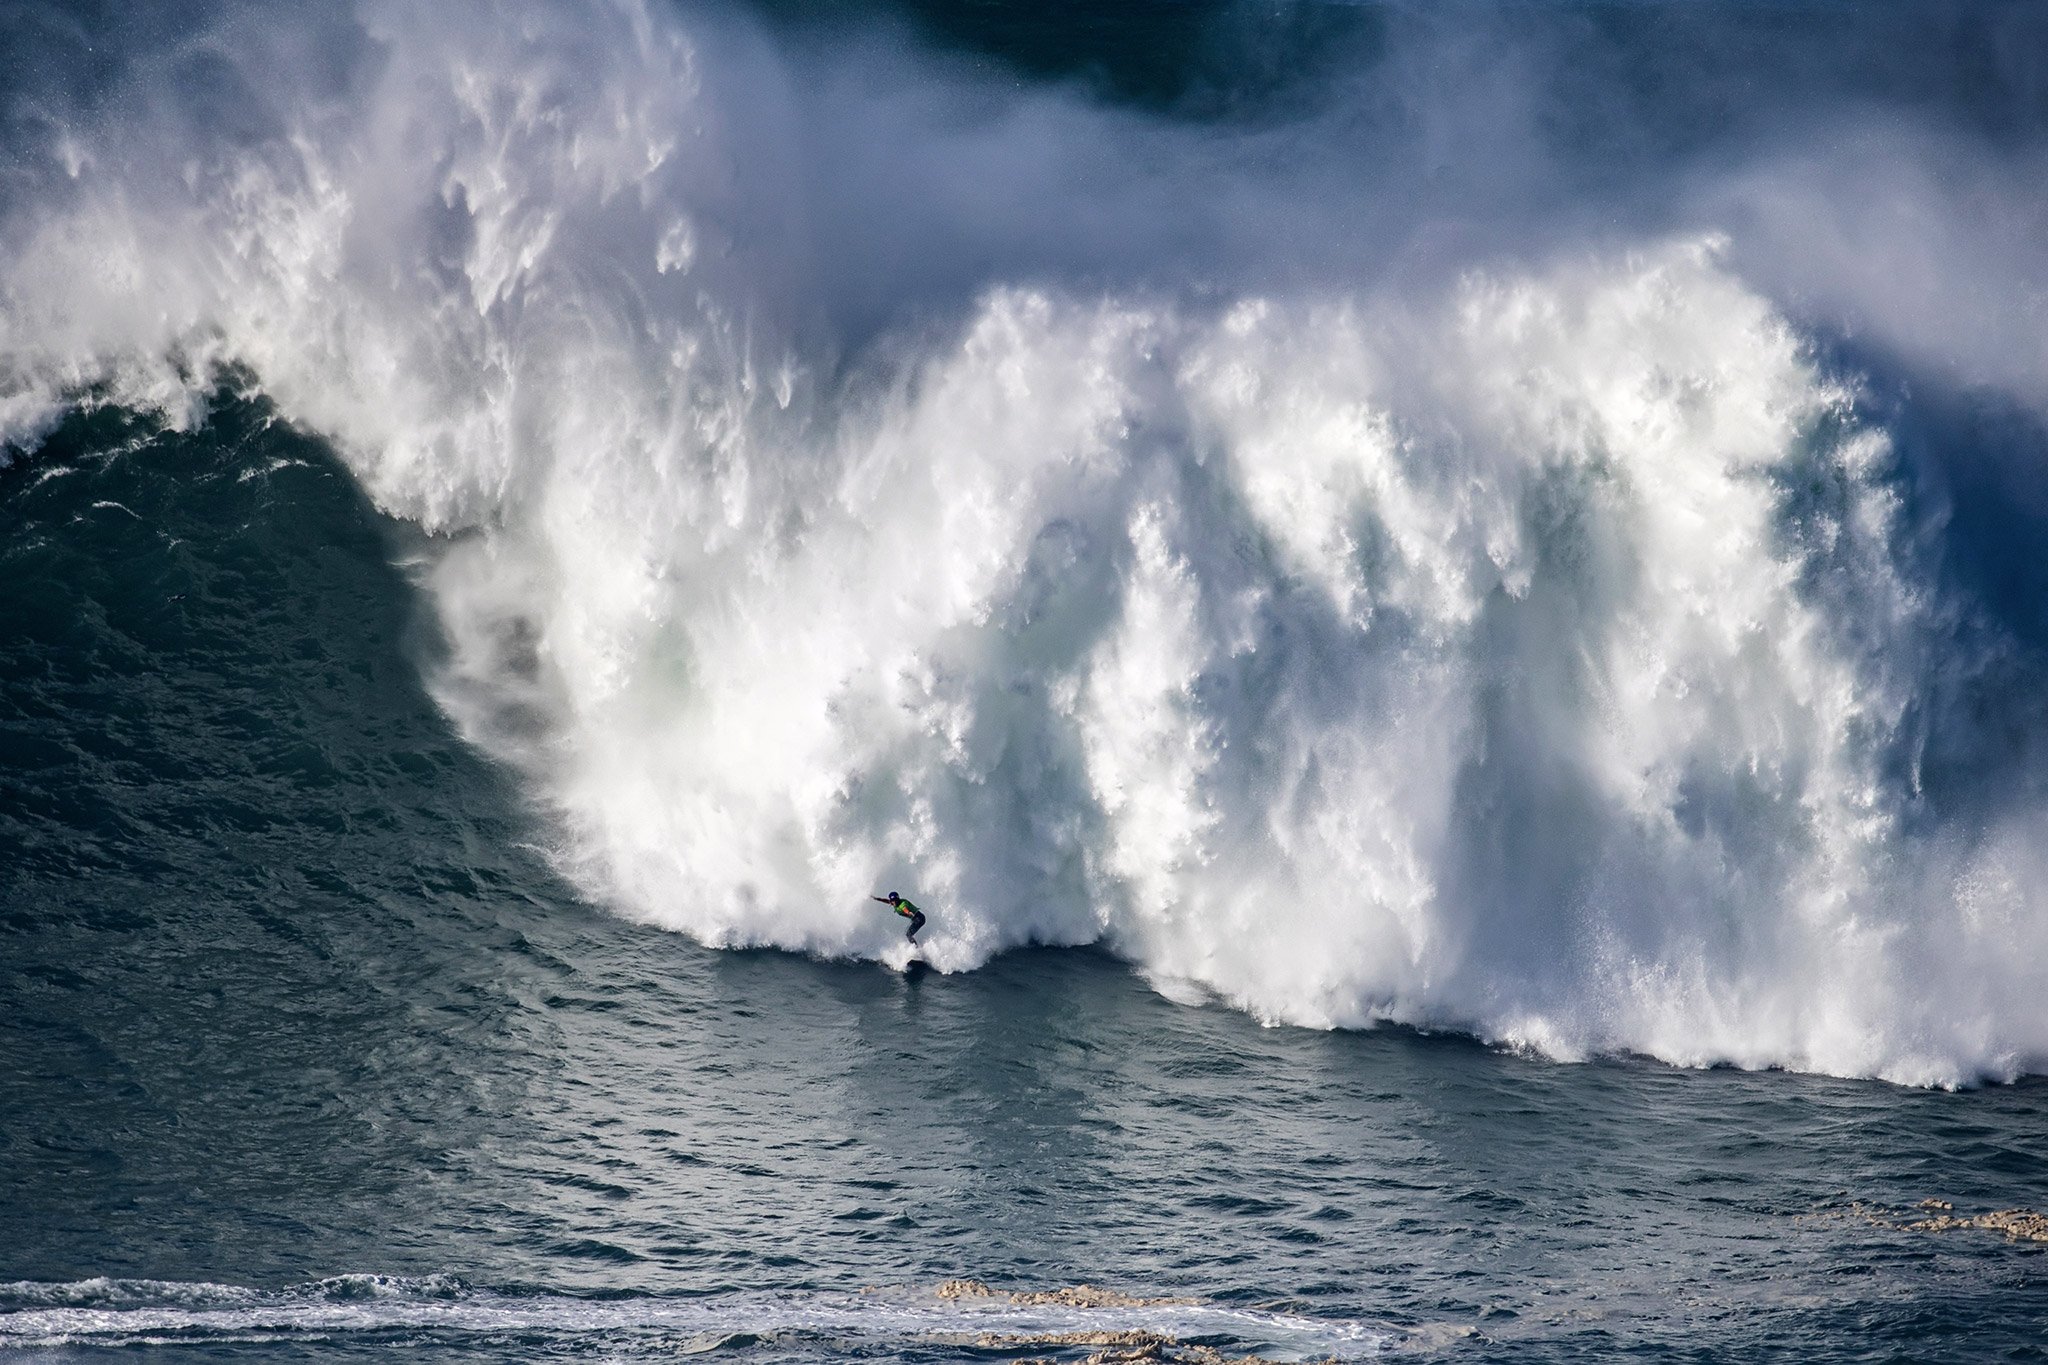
(116, 1312)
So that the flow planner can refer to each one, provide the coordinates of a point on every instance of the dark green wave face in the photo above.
(245, 863)
(1440, 606)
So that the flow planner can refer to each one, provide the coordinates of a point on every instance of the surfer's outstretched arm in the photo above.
(905, 909)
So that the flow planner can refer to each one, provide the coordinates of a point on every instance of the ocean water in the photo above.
(1444, 605)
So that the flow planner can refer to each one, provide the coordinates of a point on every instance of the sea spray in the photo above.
(1543, 647)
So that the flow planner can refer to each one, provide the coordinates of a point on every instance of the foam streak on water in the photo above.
(1539, 645)
(367, 1308)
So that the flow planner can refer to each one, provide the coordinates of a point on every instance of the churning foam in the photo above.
(109, 1313)
(1537, 651)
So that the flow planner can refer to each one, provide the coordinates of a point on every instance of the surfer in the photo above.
(905, 909)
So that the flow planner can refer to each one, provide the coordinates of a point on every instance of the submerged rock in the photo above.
(965, 1289)
(2018, 1225)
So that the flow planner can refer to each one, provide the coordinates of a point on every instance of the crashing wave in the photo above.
(1543, 647)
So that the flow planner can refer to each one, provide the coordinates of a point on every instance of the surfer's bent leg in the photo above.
(916, 923)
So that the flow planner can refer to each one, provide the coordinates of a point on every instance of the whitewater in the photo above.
(1316, 559)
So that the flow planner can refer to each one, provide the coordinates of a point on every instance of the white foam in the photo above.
(106, 1313)
(1473, 651)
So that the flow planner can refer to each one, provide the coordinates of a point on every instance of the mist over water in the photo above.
(1468, 534)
